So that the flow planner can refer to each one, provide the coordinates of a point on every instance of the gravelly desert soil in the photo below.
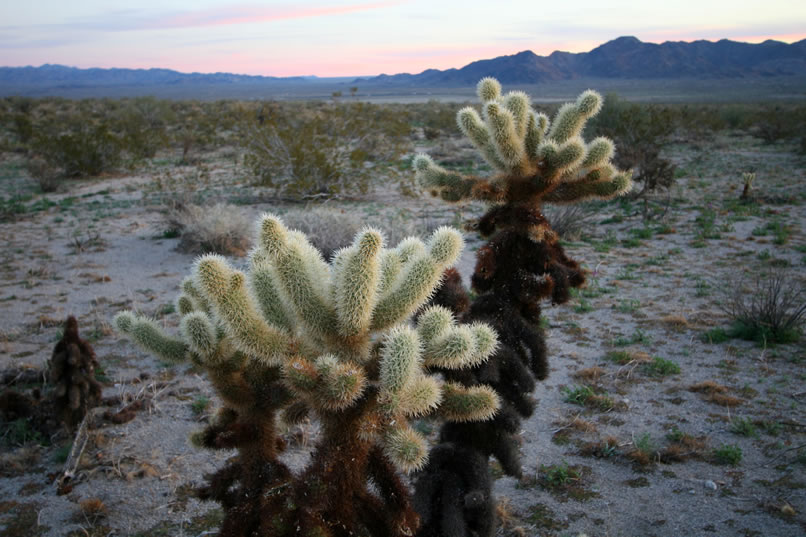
(622, 444)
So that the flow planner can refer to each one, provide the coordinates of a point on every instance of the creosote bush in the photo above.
(638, 131)
(771, 310)
(535, 161)
(321, 151)
(295, 336)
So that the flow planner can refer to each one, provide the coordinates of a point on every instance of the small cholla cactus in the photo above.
(535, 161)
(295, 335)
(71, 372)
(747, 179)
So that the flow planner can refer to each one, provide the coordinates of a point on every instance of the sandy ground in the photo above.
(604, 470)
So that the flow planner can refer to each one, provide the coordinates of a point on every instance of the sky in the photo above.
(360, 37)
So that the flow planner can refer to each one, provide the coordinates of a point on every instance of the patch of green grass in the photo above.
(660, 367)
(544, 518)
(728, 455)
(61, 454)
(743, 427)
(200, 404)
(715, 336)
(605, 244)
(627, 273)
(627, 306)
(583, 306)
(558, 475)
(645, 445)
(631, 242)
(772, 428)
(619, 357)
(587, 397)
(675, 435)
(641, 233)
(761, 333)
(20, 432)
(639, 336)
(657, 260)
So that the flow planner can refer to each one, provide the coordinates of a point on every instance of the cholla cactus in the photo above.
(295, 334)
(71, 371)
(535, 162)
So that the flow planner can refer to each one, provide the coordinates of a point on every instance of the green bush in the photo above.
(639, 131)
(322, 151)
(84, 150)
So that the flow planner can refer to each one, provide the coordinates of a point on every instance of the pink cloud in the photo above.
(246, 14)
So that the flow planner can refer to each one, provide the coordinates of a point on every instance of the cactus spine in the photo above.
(535, 161)
(296, 335)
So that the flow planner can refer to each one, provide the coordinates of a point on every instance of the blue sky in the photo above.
(358, 37)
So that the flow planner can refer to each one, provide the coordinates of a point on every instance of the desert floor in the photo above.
(623, 443)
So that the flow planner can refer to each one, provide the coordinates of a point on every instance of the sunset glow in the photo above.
(355, 37)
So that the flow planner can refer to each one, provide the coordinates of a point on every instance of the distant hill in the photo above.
(626, 58)
(60, 75)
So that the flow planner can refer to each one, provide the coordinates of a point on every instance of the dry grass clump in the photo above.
(589, 374)
(601, 449)
(330, 228)
(708, 387)
(683, 448)
(568, 221)
(675, 321)
(715, 393)
(221, 228)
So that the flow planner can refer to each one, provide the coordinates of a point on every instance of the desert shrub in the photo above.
(84, 149)
(321, 151)
(772, 310)
(45, 175)
(639, 131)
(220, 228)
(143, 126)
(327, 229)
(779, 122)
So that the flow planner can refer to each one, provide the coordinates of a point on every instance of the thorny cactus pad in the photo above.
(294, 335)
(534, 161)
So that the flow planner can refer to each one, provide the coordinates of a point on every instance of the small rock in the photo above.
(710, 484)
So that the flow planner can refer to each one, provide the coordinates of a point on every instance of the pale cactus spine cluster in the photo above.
(335, 333)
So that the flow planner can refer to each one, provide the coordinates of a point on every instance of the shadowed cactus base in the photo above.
(534, 161)
(293, 336)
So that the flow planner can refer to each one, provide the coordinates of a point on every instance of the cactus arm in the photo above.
(356, 278)
(571, 118)
(583, 191)
(405, 447)
(461, 403)
(262, 282)
(418, 279)
(226, 289)
(148, 335)
(508, 145)
(452, 186)
(472, 126)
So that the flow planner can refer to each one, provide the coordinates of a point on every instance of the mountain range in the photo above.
(625, 58)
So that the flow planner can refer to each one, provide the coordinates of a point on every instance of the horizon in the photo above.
(338, 38)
